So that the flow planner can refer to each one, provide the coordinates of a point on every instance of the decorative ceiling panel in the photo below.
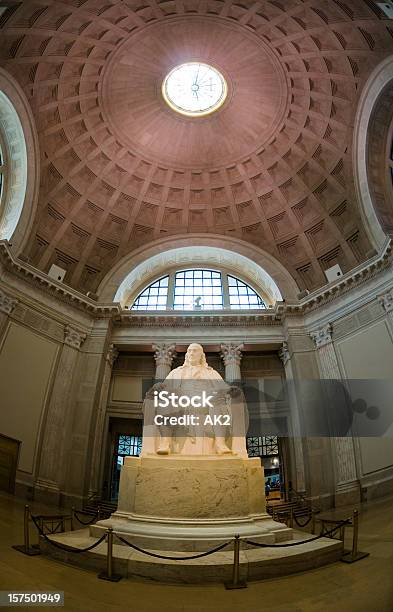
(120, 168)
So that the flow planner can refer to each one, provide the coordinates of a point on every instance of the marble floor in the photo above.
(360, 587)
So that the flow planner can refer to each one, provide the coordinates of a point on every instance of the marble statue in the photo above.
(194, 412)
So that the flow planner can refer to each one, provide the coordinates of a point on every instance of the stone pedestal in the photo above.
(172, 504)
(191, 487)
(192, 502)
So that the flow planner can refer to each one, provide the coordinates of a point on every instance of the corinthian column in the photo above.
(386, 302)
(232, 356)
(347, 484)
(7, 305)
(297, 460)
(163, 355)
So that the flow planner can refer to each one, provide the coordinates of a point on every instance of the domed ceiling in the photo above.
(120, 168)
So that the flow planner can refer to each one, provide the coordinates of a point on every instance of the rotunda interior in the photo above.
(177, 174)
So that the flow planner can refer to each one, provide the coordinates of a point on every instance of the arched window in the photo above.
(198, 289)
(13, 167)
(242, 296)
(2, 170)
(154, 297)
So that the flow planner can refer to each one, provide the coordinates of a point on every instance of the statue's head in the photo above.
(195, 356)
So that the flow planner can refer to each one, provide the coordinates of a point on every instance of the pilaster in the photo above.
(347, 487)
(48, 481)
(7, 305)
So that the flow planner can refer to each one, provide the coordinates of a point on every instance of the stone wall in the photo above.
(62, 378)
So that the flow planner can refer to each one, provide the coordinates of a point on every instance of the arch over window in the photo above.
(13, 167)
(19, 163)
(371, 150)
(266, 275)
(198, 289)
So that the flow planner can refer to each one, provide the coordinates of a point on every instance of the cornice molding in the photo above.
(60, 291)
(270, 317)
(132, 319)
(353, 279)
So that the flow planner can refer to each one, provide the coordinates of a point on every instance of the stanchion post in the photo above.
(98, 513)
(354, 555)
(25, 548)
(313, 521)
(291, 518)
(236, 583)
(72, 517)
(108, 574)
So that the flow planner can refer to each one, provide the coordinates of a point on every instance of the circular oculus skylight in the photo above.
(194, 89)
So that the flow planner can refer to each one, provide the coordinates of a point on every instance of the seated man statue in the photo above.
(194, 411)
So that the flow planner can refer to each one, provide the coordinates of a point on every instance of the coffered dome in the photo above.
(272, 166)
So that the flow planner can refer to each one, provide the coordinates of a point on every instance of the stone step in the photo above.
(255, 563)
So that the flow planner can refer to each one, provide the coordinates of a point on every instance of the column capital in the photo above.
(284, 354)
(386, 301)
(231, 353)
(112, 355)
(7, 304)
(164, 353)
(73, 337)
(322, 336)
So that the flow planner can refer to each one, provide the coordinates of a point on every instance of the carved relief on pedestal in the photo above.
(73, 337)
(7, 304)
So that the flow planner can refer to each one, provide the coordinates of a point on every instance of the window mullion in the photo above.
(171, 291)
(225, 290)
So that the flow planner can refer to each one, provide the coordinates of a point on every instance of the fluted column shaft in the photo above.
(299, 472)
(98, 445)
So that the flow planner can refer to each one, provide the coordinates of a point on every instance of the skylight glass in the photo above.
(194, 89)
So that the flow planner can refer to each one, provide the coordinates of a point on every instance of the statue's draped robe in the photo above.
(190, 381)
